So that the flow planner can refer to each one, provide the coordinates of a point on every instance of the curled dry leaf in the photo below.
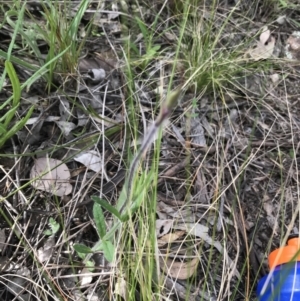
(169, 238)
(179, 270)
(96, 75)
(163, 226)
(264, 47)
(265, 35)
(51, 175)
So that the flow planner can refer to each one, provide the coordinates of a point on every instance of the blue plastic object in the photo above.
(281, 284)
(283, 281)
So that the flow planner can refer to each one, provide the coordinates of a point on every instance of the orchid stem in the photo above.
(165, 111)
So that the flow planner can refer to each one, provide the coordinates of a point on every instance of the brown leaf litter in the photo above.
(228, 172)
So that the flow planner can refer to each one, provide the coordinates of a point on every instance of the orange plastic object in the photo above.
(289, 253)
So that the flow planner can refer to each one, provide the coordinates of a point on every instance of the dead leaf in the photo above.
(169, 238)
(82, 118)
(197, 132)
(90, 159)
(268, 208)
(163, 226)
(195, 229)
(106, 61)
(179, 270)
(96, 75)
(77, 295)
(275, 78)
(164, 210)
(281, 19)
(264, 47)
(200, 186)
(170, 36)
(207, 126)
(201, 231)
(177, 134)
(64, 110)
(45, 252)
(265, 35)
(86, 276)
(93, 296)
(114, 13)
(51, 175)
(65, 127)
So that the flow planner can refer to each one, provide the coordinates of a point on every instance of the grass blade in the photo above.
(14, 81)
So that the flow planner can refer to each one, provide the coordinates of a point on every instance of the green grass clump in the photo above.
(209, 64)
(7, 127)
(59, 32)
